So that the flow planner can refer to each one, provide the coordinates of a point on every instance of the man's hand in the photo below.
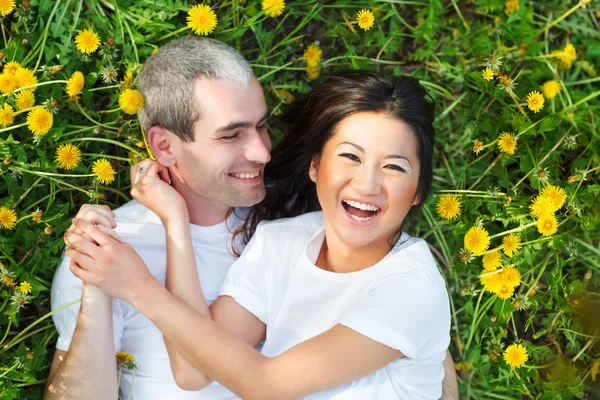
(150, 186)
(100, 260)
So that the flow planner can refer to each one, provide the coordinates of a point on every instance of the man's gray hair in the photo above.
(168, 77)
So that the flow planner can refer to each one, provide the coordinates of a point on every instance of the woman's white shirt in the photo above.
(401, 302)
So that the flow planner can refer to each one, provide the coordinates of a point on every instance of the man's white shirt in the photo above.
(133, 332)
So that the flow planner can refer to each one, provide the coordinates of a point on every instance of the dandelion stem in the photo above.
(8, 370)
(583, 349)
(26, 193)
(486, 171)
(45, 34)
(103, 88)
(534, 283)
(123, 145)
(557, 20)
(7, 329)
(519, 229)
(168, 35)
(90, 118)
(38, 84)
(10, 128)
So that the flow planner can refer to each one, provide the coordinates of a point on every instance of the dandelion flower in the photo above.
(542, 205)
(556, 194)
(8, 281)
(7, 115)
(25, 287)
(511, 244)
(477, 240)
(477, 146)
(547, 225)
(75, 84)
(492, 261)
(131, 101)
(87, 41)
(39, 120)
(25, 77)
(8, 83)
(201, 19)
(6, 7)
(511, 6)
(11, 67)
(535, 101)
(507, 143)
(24, 99)
(124, 358)
(505, 291)
(488, 74)
(510, 276)
(568, 55)
(273, 8)
(68, 156)
(515, 355)
(448, 206)
(365, 19)
(8, 217)
(127, 79)
(550, 89)
(490, 280)
(312, 73)
(312, 55)
(104, 172)
(37, 215)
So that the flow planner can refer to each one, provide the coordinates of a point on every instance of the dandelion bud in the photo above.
(29, 355)
(110, 43)
(6, 160)
(1, 55)
(508, 200)
(571, 179)
(588, 275)
(121, 130)
(532, 293)
(26, 5)
(493, 355)
(48, 230)
(517, 304)
(56, 69)
(98, 130)
(24, 42)
(493, 318)
(119, 119)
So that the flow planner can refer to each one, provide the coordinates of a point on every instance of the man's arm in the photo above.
(449, 384)
(88, 369)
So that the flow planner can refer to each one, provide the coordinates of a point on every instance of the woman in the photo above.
(350, 306)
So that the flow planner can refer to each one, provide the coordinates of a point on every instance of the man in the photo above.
(205, 116)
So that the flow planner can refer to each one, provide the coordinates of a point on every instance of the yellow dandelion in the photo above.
(491, 261)
(550, 89)
(488, 74)
(511, 6)
(7, 115)
(75, 84)
(25, 287)
(8, 83)
(505, 291)
(541, 205)
(312, 55)
(24, 99)
(124, 358)
(556, 194)
(477, 146)
(510, 276)
(477, 240)
(595, 364)
(68, 156)
(285, 96)
(490, 280)
(25, 77)
(8, 217)
(39, 120)
(515, 355)
(127, 79)
(569, 55)
(87, 41)
(507, 143)
(511, 244)
(37, 215)
(273, 8)
(312, 73)
(131, 101)
(104, 172)
(547, 225)
(201, 19)
(8, 281)
(365, 19)
(6, 7)
(448, 206)
(535, 101)
(11, 67)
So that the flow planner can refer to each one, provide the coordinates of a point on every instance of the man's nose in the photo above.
(258, 148)
(368, 180)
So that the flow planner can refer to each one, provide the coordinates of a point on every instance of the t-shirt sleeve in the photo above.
(245, 281)
(409, 314)
(66, 288)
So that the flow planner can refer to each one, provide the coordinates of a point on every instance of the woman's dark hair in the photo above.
(290, 192)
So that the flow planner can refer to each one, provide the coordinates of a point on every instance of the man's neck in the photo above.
(202, 211)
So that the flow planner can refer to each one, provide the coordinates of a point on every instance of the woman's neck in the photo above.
(337, 257)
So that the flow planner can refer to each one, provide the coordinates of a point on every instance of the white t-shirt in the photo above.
(133, 332)
(401, 302)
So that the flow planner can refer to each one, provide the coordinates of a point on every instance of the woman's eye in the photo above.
(350, 156)
(395, 167)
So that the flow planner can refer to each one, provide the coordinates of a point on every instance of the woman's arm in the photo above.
(337, 356)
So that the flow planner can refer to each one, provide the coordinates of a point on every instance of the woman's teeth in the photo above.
(362, 206)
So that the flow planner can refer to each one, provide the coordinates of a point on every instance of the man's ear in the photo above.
(163, 144)
(314, 168)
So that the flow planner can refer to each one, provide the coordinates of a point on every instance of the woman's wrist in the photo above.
(143, 292)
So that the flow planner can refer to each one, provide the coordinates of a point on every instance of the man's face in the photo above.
(226, 161)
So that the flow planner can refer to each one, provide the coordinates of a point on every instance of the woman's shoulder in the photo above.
(303, 225)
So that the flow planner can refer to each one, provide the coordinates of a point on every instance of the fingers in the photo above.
(109, 232)
(82, 245)
(93, 232)
(165, 176)
(83, 261)
(97, 215)
(81, 273)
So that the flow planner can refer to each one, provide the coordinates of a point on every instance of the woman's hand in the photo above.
(150, 186)
(114, 267)
(100, 216)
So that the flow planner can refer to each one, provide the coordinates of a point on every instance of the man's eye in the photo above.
(350, 156)
(395, 167)
(261, 127)
(230, 137)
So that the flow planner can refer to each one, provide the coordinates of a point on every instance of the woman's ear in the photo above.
(163, 144)
(314, 169)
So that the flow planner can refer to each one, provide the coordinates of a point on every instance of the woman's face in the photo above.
(366, 179)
